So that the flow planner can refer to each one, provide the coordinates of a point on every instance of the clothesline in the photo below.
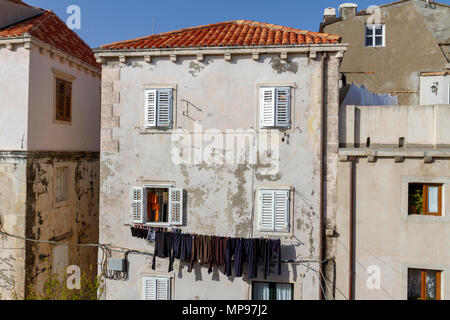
(212, 250)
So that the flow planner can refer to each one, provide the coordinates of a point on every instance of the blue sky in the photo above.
(106, 21)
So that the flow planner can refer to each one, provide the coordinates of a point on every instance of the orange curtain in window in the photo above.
(153, 204)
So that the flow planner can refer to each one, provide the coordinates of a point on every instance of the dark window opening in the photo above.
(425, 199)
(157, 205)
(272, 291)
(424, 284)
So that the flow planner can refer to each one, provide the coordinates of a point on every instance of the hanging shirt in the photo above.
(153, 204)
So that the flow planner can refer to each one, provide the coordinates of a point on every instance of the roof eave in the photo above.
(100, 52)
(27, 40)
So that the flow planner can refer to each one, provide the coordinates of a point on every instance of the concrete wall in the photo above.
(404, 26)
(421, 126)
(385, 235)
(12, 219)
(442, 96)
(14, 79)
(220, 199)
(44, 133)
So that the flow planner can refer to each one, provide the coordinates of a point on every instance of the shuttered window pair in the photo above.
(155, 288)
(273, 210)
(139, 205)
(63, 103)
(158, 108)
(275, 107)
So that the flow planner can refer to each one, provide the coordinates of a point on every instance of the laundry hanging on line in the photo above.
(227, 252)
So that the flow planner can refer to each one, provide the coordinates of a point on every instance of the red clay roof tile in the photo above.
(48, 28)
(232, 33)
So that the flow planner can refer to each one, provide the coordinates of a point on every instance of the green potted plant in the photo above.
(416, 202)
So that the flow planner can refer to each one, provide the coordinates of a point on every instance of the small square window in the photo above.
(272, 291)
(275, 107)
(158, 108)
(424, 284)
(273, 210)
(155, 288)
(425, 199)
(375, 35)
(157, 205)
(61, 181)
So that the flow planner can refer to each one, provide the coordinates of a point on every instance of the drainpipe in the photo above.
(351, 230)
(323, 251)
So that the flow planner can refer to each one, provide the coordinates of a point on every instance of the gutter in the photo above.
(351, 230)
(322, 241)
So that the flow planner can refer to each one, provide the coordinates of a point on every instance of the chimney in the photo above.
(347, 10)
(328, 14)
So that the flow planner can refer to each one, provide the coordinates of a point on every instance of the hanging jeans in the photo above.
(273, 252)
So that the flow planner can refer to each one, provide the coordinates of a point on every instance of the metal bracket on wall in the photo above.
(186, 113)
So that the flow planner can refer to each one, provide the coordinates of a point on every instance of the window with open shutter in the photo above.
(138, 205)
(267, 107)
(282, 107)
(266, 212)
(158, 108)
(281, 209)
(150, 108)
(275, 107)
(63, 100)
(175, 206)
(273, 210)
(155, 288)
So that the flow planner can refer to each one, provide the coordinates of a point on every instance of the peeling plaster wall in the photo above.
(75, 221)
(220, 199)
(12, 219)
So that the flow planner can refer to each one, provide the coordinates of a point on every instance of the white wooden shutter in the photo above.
(267, 101)
(150, 108)
(164, 109)
(283, 108)
(162, 289)
(138, 205)
(266, 210)
(175, 206)
(149, 288)
(281, 208)
(154, 288)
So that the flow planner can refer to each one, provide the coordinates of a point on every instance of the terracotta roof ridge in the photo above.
(237, 22)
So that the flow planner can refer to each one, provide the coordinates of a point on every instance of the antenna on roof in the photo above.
(153, 25)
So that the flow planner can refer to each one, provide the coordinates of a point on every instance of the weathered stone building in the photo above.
(209, 84)
(49, 147)
(400, 48)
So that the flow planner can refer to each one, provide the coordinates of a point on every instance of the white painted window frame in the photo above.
(173, 109)
(144, 206)
(156, 278)
(275, 120)
(288, 213)
(373, 27)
